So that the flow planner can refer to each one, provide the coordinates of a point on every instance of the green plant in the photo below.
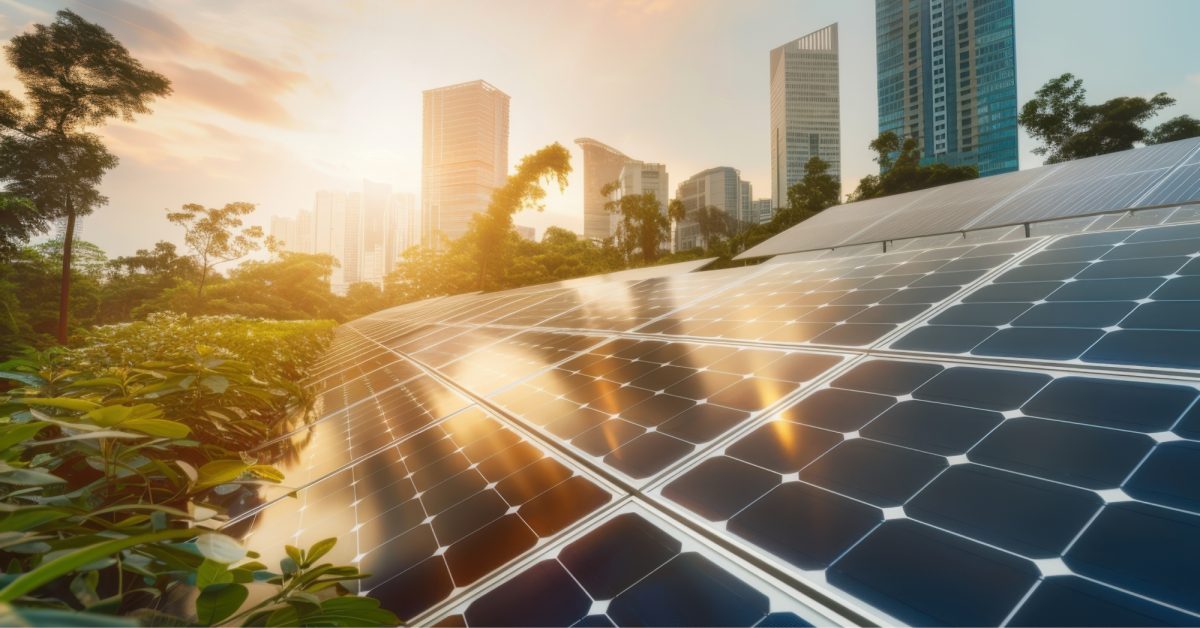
(117, 460)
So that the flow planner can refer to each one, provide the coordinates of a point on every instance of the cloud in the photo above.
(245, 101)
(1194, 79)
(216, 76)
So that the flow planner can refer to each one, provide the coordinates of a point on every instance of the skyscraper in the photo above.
(601, 165)
(722, 188)
(406, 218)
(948, 77)
(464, 155)
(805, 113)
(329, 231)
(376, 248)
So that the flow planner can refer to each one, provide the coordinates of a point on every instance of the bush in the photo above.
(117, 461)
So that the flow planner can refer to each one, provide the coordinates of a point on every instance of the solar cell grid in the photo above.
(851, 301)
(1126, 298)
(900, 482)
(434, 512)
(641, 406)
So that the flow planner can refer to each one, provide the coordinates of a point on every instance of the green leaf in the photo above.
(14, 616)
(212, 572)
(220, 548)
(25, 378)
(17, 433)
(64, 564)
(110, 416)
(29, 477)
(31, 517)
(66, 403)
(220, 472)
(215, 383)
(295, 554)
(219, 601)
(266, 472)
(158, 427)
(319, 549)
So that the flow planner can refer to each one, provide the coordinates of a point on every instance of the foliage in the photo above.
(523, 190)
(816, 191)
(1069, 128)
(76, 75)
(216, 235)
(643, 226)
(117, 460)
(901, 170)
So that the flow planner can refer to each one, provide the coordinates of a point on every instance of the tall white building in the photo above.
(805, 114)
(464, 155)
(762, 209)
(376, 247)
(329, 232)
(406, 232)
(639, 177)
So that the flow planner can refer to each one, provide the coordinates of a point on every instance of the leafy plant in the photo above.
(117, 460)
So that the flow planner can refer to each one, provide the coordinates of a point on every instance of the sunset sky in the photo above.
(275, 100)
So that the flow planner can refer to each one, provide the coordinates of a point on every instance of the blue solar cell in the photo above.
(1031, 517)
(1146, 347)
(1130, 405)
(1165, 315)
(1189, 425)
(807, 526)
(616, 554)
(838, 409)
(720, 487)
(874, 472)
(1090, 457)
(993, 389)
(933, 427)
(1148, 267)
(1165, 248)
(594, 621)
(1149, 550)
(543, 595)
(1178, 289)
(888, 377)
(689, 591)
(926, 577)
(990, 314)
(1042, 272)
(1075, 314)
(1169, 476)
(1044, 343)
(1105, 289)
(1020, 291)
(783, 446)
(943, 338)
(1074, 601)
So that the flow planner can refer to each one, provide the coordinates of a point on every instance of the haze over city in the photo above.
(324, 95)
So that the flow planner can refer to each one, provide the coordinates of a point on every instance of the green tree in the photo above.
(216, 235)
(713, 223)
(901, 170)
(523, 190)
(817, 190)
(1177, 128)
(1060, 117)
(643, 226)
(136, 279)
(76, 75)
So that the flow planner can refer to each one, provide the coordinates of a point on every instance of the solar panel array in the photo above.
(1154, 176)
(993, 428)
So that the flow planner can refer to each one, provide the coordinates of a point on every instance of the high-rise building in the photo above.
(294, 235)
(352, 253)
(329, 232)
(762, 209)
(947, 76)
(406, 220)
(805, 113)
(722, 188)
(526, 233)
(376, 249)
(464, 155)
(601, 165)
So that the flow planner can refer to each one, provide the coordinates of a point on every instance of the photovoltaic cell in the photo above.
(945, 494)
(1114, 297)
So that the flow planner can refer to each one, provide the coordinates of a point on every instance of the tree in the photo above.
(76, 75)
(817, 190)
(523, 190)
(643, 225)
(676, 212)
(713, 222)
(900, 169)
(1177, 128)
(1070, 128)
(216, 235)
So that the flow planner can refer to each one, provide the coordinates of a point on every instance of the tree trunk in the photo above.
(64, 292)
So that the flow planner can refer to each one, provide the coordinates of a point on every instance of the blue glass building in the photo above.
(948, 77)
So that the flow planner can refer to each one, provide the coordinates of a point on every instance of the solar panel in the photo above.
(996, 426)
(1163, 174)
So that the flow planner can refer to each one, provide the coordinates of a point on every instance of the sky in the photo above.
(275, 100)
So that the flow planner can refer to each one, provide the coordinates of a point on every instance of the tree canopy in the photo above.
(1068, 127)
(901, 169)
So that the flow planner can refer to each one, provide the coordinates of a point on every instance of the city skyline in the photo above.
(311, 104)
